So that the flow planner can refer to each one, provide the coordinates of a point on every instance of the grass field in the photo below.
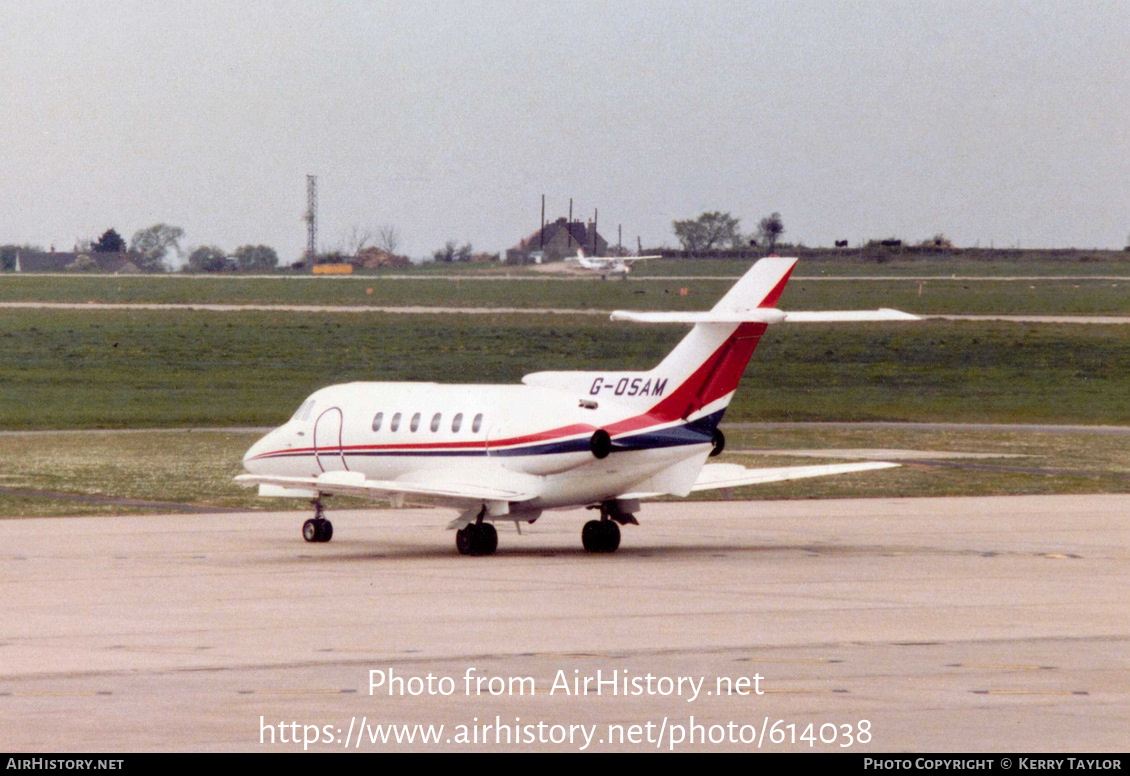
(1029, 462)
(172, 369)
(939, 295)
(1108, 263)
(143, 369)
(106, 473)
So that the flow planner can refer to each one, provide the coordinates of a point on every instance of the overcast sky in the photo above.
(1003, 123)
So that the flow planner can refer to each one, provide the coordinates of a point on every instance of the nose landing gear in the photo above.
(600, 536)
(318, 528)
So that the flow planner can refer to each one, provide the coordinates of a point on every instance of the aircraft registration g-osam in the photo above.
(604, 440)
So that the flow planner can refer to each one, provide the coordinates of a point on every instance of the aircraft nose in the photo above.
(257, 449)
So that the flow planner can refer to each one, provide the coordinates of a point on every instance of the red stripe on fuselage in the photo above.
(550, 435)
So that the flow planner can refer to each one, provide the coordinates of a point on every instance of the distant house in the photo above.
(483, 257)
(377, 258)
(559, 240)
(77, 261)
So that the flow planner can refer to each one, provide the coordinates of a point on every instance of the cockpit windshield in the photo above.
(303, 412)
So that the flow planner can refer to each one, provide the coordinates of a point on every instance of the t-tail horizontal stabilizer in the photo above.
(767, 315)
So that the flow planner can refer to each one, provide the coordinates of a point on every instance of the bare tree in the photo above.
(388, 238)
(356, 241)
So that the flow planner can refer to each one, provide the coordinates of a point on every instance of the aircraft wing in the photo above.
(715, 476)
(433, 491)
(731, 475)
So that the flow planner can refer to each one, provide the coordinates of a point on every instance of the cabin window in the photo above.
(456, 423)
(435, 421)
(415, 422)
(395, 422)
(477, 423)
(377, 421)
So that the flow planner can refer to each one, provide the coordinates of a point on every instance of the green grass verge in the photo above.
(101, 473)
(1030, 462)
(848, 265)
(144, 369)
(1044, 297)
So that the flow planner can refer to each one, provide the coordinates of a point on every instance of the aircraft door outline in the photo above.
(328, 428)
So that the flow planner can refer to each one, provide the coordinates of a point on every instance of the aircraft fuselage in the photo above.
(539, 437)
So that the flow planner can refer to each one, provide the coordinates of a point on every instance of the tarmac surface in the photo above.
(932, 625)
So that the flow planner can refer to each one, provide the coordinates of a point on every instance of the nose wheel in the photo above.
(318, 528)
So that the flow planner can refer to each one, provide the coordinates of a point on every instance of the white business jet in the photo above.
(607, 264)
(604, 440)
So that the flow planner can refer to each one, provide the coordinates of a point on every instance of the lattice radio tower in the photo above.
(311, 218)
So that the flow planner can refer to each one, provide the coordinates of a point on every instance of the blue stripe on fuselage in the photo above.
(696, 432)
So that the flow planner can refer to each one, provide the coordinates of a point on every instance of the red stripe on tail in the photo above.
(771, 298)
(717, 376)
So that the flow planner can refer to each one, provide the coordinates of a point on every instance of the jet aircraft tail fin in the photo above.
(701, 373)
(697, 379)
(706, 366)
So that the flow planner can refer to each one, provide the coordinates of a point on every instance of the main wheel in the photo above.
(327, 531)
(488, 539)
(600, 536)
(476, 539)
(590, 536)
(610, 539)
(465, 539)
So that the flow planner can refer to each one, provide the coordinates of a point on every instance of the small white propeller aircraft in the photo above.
(604, 440)
(608, 264)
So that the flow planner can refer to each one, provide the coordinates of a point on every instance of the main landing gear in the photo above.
(603, 535)
(477, 538)
(318, 529)
(600, 536)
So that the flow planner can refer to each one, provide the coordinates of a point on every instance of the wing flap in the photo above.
(717, 476)
(732, 475)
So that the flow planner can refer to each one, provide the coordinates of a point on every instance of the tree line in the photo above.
(149, 249)
(714, 230)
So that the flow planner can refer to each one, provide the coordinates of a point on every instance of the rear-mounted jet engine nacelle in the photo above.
(600, 444)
